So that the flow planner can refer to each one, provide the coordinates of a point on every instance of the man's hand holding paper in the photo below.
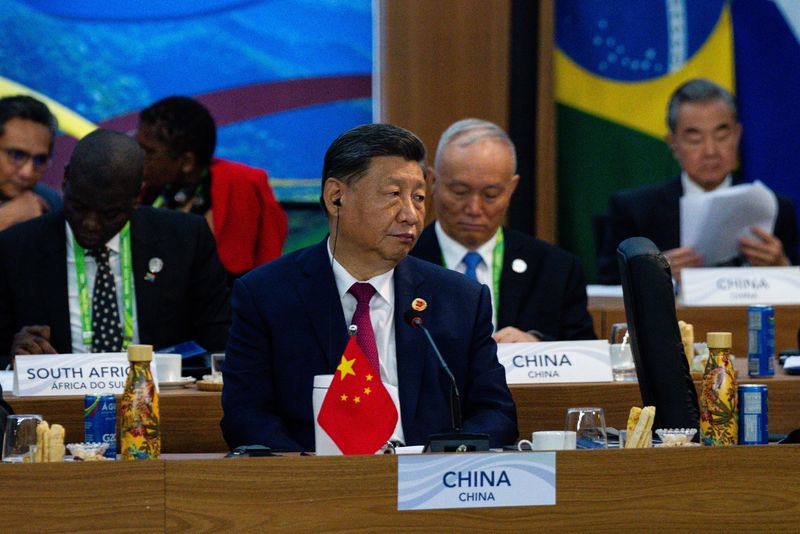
(765, 250)
(721, 225)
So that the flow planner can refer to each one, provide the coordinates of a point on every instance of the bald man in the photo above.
(105, 273)
(538, 290)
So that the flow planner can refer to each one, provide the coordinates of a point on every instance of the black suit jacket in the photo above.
(550, 296)
(188, 300)
(653, 212)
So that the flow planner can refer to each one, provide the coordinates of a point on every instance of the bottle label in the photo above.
(719, 417)
(140, 435)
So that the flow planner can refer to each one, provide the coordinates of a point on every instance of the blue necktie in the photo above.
(472, 259)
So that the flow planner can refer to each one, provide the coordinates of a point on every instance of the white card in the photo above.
(556, 361)
(429, 482)
(72, 374)
(741, 286)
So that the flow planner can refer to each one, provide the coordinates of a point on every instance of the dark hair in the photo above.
(107, 160)
(698, 90)
(27, 108)
(183, 125)
(350, 154)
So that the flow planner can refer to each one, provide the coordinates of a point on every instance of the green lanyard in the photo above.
(497, 268)
(127, 287)
(161, 200)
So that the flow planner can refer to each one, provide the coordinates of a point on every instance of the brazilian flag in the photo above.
(616, 64)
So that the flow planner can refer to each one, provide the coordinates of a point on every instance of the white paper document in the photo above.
(713, 222)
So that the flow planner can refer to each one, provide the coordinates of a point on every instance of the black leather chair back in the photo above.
(663, 371)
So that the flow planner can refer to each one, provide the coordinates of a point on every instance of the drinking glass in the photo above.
(623, 367)
(589, 425)
(19, 436)
(217, 361)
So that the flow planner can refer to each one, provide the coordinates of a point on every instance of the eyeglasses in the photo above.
(19, 158)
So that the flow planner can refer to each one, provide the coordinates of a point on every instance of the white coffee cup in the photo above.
(168, 367)
(324, 445)
(550, 440)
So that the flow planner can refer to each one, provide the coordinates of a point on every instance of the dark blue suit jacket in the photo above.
(53, 199)
(288, 326)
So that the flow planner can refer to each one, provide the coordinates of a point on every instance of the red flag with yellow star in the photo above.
(357, 412)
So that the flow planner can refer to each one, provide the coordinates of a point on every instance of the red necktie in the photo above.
(365, 336)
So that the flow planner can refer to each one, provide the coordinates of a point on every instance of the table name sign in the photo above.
(724, 286)
(550, 362)
(430, 482)
(71, 374)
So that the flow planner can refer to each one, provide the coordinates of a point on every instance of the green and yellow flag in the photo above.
(616, 64)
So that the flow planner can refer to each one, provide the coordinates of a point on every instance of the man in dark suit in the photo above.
(290, 316)
(704, 137)
(175, 277)
(538, 290)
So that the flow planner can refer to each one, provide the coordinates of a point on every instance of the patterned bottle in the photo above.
(719, 417)
(140, 436)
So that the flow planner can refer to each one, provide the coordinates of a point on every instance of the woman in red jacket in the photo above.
(179, 136)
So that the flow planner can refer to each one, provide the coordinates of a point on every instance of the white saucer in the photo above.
(184, 381)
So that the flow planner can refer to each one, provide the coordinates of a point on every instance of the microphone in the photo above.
(457, 441)
(414, 319)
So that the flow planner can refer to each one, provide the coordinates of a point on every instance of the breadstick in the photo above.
(687, 338)
(641, 437)
(55, 444)
(633, 418)
(41, 430)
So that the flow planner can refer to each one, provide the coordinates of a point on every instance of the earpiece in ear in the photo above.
(337, 203)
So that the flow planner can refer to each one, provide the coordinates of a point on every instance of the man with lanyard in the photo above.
(538, 290)
(132, 274)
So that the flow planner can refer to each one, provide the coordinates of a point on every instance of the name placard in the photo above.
(476, 480)
(71, 374)
(555, 361)
(725, 286)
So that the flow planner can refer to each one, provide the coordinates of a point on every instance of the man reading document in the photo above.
(291, 316)
(704, 133)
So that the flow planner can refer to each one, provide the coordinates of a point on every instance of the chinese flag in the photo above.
(357, 412)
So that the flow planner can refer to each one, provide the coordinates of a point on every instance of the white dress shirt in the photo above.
(690, 188)
(381, 314)
(453, 254)
(115, 262)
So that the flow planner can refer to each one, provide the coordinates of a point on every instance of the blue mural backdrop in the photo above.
(282, 77)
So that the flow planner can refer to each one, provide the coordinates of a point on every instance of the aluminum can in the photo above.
(760, 341)
(100, 422)
(753, 413)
